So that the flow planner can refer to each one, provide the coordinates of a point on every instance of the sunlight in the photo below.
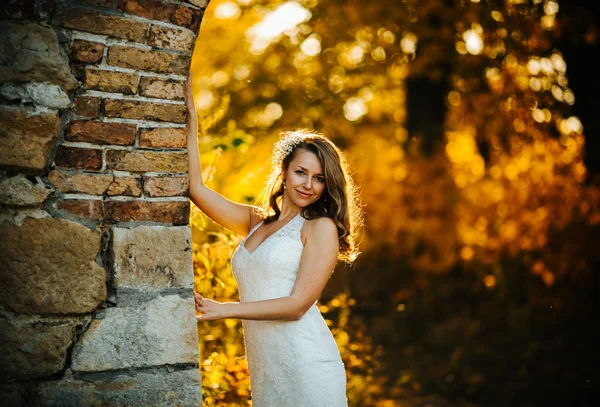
(408, 43)
(269, 29)
(354, 109)
(226, 10)
(311, 46)
(473, 41)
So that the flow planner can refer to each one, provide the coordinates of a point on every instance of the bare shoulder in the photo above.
(257, 215)
(322, 228)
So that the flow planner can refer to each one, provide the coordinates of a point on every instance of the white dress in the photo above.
(291, 363)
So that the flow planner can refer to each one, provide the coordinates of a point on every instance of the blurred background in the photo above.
(471, 127)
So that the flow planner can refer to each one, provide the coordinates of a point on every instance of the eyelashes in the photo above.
(320, 179)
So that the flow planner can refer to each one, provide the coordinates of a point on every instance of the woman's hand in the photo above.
(211, 310)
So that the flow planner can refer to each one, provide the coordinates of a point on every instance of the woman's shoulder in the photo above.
(257, 215)
(321, 226)
(320, 222)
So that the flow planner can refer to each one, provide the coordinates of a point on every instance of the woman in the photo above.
(290, 249)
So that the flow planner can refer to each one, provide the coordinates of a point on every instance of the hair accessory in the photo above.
(285, 145)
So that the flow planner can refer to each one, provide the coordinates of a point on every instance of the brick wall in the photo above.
(96, 304)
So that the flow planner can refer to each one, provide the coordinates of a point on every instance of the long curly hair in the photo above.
(340, 199)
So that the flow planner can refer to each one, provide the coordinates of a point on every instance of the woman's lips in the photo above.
(303, 195)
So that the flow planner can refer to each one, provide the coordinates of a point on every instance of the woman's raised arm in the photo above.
(234, 216)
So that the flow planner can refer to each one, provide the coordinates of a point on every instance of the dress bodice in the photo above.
(270, 270)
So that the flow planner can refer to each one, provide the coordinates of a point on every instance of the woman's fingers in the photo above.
(198, 301)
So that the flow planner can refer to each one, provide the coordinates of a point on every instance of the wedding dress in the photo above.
(291, 363)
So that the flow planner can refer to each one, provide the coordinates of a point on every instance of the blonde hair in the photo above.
(339, 201)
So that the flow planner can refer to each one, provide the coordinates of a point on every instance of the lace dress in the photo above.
(291, 363)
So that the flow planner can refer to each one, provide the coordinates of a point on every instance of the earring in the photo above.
(283, 184)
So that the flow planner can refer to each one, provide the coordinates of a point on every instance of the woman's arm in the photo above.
(316, 265)
(233, 216)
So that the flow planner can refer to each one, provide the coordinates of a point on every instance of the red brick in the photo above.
(130, 186)
(166, 186)
(87, 106)
(157, 10)
(101, 133)
(162, 88)
(84, 208)
(148, 60)
(76, 157)
(98, 23)
(171, 38)
(111, 81)
(176, 212)
(132, 109)
(87, 51)
(144, 161)
(163, 137)
(152, 9)
(71, 181)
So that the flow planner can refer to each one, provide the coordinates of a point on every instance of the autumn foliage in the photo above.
(481, 210)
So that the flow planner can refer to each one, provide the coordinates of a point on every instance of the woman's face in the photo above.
(304, 178)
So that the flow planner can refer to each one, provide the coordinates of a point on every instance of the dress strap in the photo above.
(294, 227)
(253, 229)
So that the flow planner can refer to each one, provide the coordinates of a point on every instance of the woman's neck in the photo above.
(288, 209)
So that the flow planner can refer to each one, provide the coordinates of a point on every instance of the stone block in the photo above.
(19, 191)
(31, 53)
(18, 9)
(145, 161)
(180, 388)
(163, 137)
(40, 94)
(34, 348)
(76, 157)
(133, 109)
(87, 51)
(148, 60)
(162, 88)
(111, 81)
(26, 138)
(48, 266)
(157, 332)
(95, 132)
(100, 3)
(166, 186)
(13, 394)
(150, 258)
(84, 208)
(76, 182)
(99, 23)
(171, 38)
(87, 106)
(175, 212)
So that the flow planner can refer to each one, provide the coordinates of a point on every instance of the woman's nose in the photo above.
(308, 183)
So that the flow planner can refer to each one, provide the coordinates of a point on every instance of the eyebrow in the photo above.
(301, 167)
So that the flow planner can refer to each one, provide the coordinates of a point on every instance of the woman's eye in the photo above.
(320, 179)
(299, 172)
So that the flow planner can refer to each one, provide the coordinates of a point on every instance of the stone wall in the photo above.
(96, 305)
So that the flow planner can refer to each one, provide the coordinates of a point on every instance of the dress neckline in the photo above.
(243, 244)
